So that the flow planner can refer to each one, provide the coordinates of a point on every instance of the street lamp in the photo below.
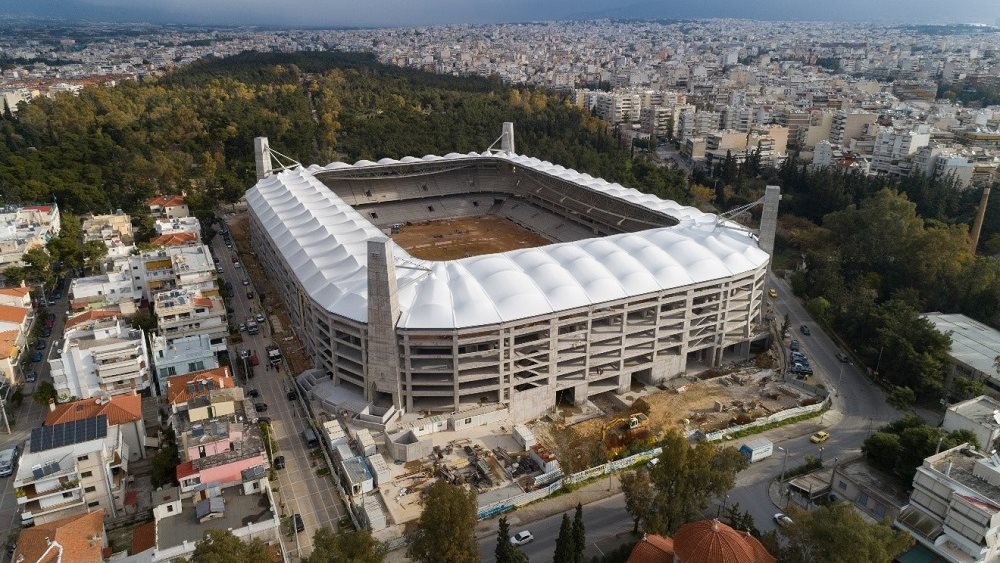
(821, 455)
(784, 463)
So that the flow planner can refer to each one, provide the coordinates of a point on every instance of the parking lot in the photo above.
(299, 488)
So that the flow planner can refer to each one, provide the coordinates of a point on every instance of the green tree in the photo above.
(740, 520)
(579, 534)
(565, 542)
(94, 253)
(505, 551)
(144, 320)
(901, 446)
(902, 398)
(164, 470)
(14, 275)
(38, 266)
(355, 546)
(836, 533)
(44, 392)
(638, 491)
(687, 478)
(221, 546)
(446, 529)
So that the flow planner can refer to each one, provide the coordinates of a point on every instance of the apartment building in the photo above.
(71, 468)
(182, 389)
(619, 106)
(657, 121)
(187, 312)
(122, 411)
(217, 451)
(182, 354)
(848, 125)
(178, 225)
(112, 290)
(894, 150)
(15, 323)
(99, 355)
(979, 415)
(23, 228)
(74, 538)
(954, 509)
(696, 124)
(168, 207)
(113, 230)
(173, 267)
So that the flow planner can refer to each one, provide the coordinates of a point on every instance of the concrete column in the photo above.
(262, 155)
(507, 138)
(769, 218)
(383, 313)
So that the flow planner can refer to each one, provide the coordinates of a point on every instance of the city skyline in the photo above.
(393, 13)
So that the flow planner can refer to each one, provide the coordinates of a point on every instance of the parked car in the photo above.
(260, 407)
(36, 357)
(246, 281)
(292, 395)
(237, 264)
(219, 269)
(794, 346)
(819, 437)
(251, 392)
(260, 317)
(782, 519)
(243, 327)
(279, 462)
(57, 295)
(46, 332)
(805, 330)
(521, 538)
(244, 354)
(299, 524)
(31, 377)
(264, 419)
(40, 345)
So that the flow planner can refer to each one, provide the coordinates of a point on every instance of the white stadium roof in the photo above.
(324, 240)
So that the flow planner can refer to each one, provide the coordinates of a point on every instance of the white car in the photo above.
(521, 538)
(782, 519)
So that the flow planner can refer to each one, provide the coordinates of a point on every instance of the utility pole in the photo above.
(784, 463)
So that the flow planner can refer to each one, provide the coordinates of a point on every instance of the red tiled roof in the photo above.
(42, 208)
(92, 315)
(652, 549)
(711, 541)
(167, 201)
(203, 301)
(81, 538)
(175, 239)
(178, 393)
(120, 409)
(12, 314)
(15, 291)
(7, 340)
(143, 538)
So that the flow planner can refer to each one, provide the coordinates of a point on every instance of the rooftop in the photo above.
(983, 409)
(958, 464)
(652, 549)
(711, 541)
(81, 538)
(119, 409)
(972, 343)
(68, 433)
(356, 470)
(240, 510)
(182, 388)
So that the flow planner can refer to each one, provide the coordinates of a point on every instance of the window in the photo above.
(89, 489)
(374, 215)
(94, 504)
(68, 494)
(166, 372)
(842, 485)
(862, 500)
(83, 458)
(196, 366)
(468, 421)
(430, 208)
(86, 474)
(880, 510)
(170, 508)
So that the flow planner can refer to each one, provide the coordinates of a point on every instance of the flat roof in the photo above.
(972, 342)
(324, 242)
(240, 510)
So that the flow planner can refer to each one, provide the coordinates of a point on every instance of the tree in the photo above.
(579, 534)
(446, 529)
(565, 542)
(638, 492)
(94, 252)
(740, 520)
(902, 398)
(356, 546)
(836, 533)
(687, 478)
(44, 393)
(221, 546)
(143, 320)
(901, 446)
(505, 551)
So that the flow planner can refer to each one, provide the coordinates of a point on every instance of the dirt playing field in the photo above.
(469, 236)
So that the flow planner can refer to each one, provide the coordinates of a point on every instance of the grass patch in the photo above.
(771, 425)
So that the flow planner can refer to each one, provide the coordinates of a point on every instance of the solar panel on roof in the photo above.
(68, 433)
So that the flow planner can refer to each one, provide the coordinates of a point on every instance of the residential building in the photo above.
(74, 538)
(123, 411)
(168, 207)
(980, 415)
(113, 290)
(99, 355)
(114, 230)
(15, 324)
(848, 125)
(894, 150)
(954, 509)
(974, 347)
(175, 239)
(16, 297)
(619, 106)
(180, 390)
(874, 494)
(72, 468)
(705, 541)
(216, 452)
(173, 267)
(23, 228)
(182, 354)
(186, 312)
(178, 225)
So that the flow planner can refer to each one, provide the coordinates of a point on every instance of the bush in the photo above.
(902, 398)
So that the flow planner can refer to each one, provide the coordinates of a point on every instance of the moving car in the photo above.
(805, 330)
(843, 357)
(820, 436)
(521, 538)
(773, 293)
(279, 462)
(782, 519)
(244, 354)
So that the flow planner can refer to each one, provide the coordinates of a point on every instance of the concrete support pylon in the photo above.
(383, 313)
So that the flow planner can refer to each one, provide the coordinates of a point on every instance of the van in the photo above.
(8, 459)
(310, 437)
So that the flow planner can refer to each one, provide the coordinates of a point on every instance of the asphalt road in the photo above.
(28, 416)
(301, 489)
(859, 408)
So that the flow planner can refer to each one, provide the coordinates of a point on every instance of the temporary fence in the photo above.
(776, 417)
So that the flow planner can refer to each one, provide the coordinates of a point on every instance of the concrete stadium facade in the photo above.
(633, 288)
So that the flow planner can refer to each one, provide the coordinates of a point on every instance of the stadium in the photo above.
(436, 284)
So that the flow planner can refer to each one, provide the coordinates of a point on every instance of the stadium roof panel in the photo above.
(324, 240)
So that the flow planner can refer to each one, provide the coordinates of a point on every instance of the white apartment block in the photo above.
(72, 468)
(692, 123)
(173, 267)
(178, 225)
(100, 356)
(980, 415)
(115, 231)
(24, 228)
(186, 312)
(182, 354)
(894, 150)
(105, 290)
(619, 107)
(954, 508)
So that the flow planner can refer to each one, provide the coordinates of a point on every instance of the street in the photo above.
(859, 408)
(299, 487)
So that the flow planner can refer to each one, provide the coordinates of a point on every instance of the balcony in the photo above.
(29, 493)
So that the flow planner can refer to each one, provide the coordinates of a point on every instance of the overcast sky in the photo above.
(425, 12)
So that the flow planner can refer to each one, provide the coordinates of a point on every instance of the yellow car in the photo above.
(773, 293)
(819, 437)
